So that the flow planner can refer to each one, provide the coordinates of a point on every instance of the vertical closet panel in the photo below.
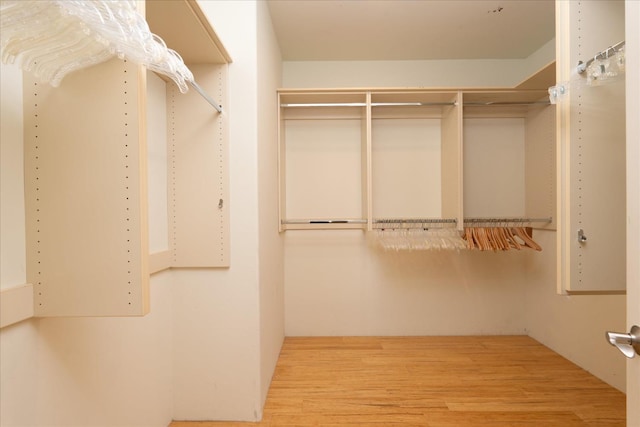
(452, 206)
(366, 161)
(198, 172)
(282, 167)
(324, 168)
(540, 164)
(157, 164)
(406, 167)
(494, 183)
(85, 185)
(593, 148)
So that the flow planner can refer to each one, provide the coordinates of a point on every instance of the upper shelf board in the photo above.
(184, 28)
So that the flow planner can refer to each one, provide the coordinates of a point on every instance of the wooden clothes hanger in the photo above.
(499, 238)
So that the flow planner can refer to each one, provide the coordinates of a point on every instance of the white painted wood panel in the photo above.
(494, 181)
(323, 169)
(86, 193)
(406, 168)
(592, 153)
(198, 172)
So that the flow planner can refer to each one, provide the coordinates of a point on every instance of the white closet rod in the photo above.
(324, 221)
(507, 220)
(206, 96)
(410, 104)
(489, 103)
(364, 104)
(582, 66)
(380, 222)
(416, 221)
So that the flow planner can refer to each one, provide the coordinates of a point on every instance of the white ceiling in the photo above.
(338, 30)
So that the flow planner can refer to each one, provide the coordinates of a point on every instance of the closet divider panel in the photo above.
(494, 164)
(592, 153)
(86, 192)
(282, 167)
(157, 167)
(540, 164)
(452, 163)
(406, 168)
(367, 196)
(198, 172)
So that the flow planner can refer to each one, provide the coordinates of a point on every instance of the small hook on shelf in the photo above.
(581, 236)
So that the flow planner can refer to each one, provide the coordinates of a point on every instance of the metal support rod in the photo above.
(505, 220)
(364, 104)
(324, 221)
(582, 66)
(514, 103)
(415, 221)
(412, 104)
(206, 96)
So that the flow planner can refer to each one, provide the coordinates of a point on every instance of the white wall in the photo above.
(19, 374)
(271, 252)
(107, 371)
(228, 322)
(573, 326)
(338, 283)
(216, 328)
(434, 73)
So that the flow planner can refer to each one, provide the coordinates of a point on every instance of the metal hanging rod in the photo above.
(325, 104)
(490, 103)
(324, 221)
(206, 96)
(506, 220)
(415, 221)
(412, 104)
(364, 104)
(582, 66)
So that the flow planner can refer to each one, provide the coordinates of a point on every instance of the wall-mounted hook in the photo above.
(581, 236)
(556, 93)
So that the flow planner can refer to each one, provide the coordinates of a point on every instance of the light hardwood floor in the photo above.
(432, 382)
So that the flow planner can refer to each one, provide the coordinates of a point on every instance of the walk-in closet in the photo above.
(276, 213)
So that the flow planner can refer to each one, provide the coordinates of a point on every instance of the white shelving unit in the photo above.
(349, 158)
(86, 187)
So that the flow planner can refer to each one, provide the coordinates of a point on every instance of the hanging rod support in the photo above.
(415, 221)
(508, 220)
(324, 221)
(489, 103)
(582, 66)
(206, 96)
(412, 104)
(364, 104)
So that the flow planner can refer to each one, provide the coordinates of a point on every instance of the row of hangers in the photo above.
(52, 38)
(400, 239)
(499, 238)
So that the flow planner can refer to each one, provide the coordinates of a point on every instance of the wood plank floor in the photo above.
(432, 382)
